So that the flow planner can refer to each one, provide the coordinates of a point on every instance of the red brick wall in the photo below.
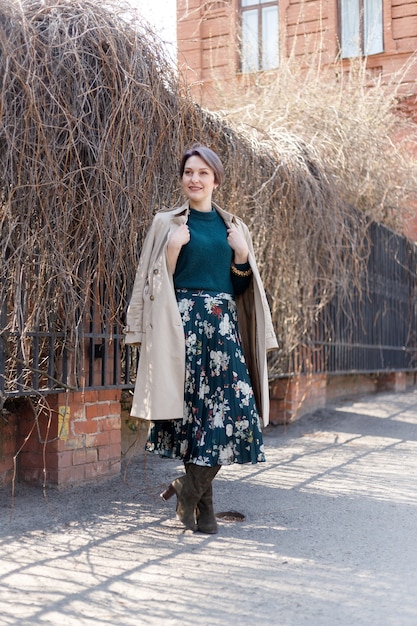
(206, 34)
(295, 396)
(307, 28)
(75, 438)
(404, 24)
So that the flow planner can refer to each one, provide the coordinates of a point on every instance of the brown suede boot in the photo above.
(206, 520)
(190, 489)
(187, 499)
(170, 490)
(168, 493)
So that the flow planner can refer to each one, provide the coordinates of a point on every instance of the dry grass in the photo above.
(348, 116)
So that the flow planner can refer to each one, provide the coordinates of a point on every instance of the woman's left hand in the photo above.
(238, 244)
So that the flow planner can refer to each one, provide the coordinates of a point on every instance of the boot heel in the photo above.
(168, 493)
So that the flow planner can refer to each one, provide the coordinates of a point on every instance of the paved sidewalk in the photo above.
(329, 539)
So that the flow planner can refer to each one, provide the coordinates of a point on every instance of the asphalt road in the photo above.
(329, 536)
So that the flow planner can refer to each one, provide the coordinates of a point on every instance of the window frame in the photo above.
(362, 41)
(258, 6)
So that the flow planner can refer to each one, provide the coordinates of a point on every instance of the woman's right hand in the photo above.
(176, 240)
(179, 237)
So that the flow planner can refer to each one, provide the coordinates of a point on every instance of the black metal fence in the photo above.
(40, 362)
(374, 330)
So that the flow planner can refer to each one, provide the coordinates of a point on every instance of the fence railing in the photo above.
(375, 329)
(47, 366)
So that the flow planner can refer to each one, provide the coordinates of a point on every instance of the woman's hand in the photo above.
(238, 244)
(176, 240)
(179, 237)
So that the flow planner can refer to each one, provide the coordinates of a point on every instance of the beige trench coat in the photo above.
(153, 321)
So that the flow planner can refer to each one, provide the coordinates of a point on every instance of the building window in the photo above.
(361, 27)
(259, 35)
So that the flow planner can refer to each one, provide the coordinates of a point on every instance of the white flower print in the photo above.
(226, 455)
(239, 355)
(219, 361)
(242, 425)
(210, 302)
(218, 417)
(219, 413)
(229, 430)
(191, 340)
(225, 326)
(203, 460)
(208, 329)
(244, 392)
(231, 305)
(184, 306)
(189, 379)
(202, 441)
(203, 390)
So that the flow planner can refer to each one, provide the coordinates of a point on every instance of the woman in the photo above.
(199, 312)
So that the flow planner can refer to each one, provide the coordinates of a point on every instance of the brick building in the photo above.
(220, 39)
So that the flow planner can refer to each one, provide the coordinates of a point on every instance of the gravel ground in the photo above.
(329, 536)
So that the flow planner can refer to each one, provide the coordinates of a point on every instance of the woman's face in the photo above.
(198, 182)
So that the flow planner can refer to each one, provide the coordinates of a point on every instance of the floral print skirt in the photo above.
(221, 423)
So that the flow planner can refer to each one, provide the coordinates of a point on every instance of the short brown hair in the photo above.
(209, 156)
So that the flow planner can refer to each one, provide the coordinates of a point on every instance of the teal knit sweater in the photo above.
(204, 262)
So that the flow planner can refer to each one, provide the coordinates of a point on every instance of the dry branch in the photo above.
(93, 121)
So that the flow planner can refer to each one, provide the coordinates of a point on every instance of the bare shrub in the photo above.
(89, 105)
(93, 122)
